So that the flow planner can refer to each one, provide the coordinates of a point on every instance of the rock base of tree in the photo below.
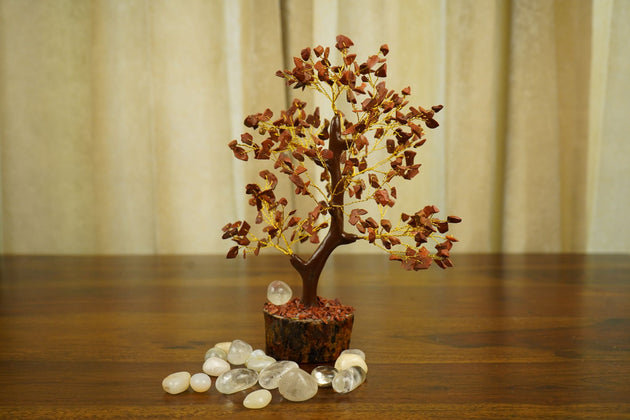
(308, 334)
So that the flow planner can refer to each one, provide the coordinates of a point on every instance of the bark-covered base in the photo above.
(308, 335)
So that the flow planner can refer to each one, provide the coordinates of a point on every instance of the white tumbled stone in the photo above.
(279, 293)
(348, 380)
(236, 380)
(176, 383)
(347, 360)
(200, 382)
(224, 345)
(354, 351)
(215, 352)
(257, 399)
(269, 377)
(239, 352)
(215, 366)
(324, 375)
(297, 385)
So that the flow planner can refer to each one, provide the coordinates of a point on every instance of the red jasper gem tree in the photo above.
(356, 158)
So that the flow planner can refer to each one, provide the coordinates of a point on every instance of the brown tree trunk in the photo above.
(311, 269)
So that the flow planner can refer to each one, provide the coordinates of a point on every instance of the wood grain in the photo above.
(499, 336)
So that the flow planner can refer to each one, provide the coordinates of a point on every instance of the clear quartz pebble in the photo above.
(257, 399)
(279, 293)
(348, 380)
(236, 380)
(297, 385)
(269, 377)
(215, 366)
(347, 360)
(324, 375)
(176, 383)
(354, 351)
(257, 352)
(200, 382)
(239, 352)
(215, 352)
(258, 360)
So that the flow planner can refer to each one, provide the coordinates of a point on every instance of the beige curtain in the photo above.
(115, 116)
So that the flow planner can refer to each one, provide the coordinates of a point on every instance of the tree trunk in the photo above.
(311, 269)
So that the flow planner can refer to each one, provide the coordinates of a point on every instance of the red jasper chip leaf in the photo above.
(391, 146)
(409, 157)
(442, 226)
(361, 142)
(381, 71)
(327, 154)
(382, 198)
(305, 54)
(415, 129)
(239, 152)
(343, 42)
(386, 224)
(355, 216)
(233, 252)
(247, 139)
(293, 221)
(453, 219)
(348, 78)
(373, 180)
(429, 210)
(406, 91)
(384, 49)
(244, 230)
(350, 98)
(269, 177)
(371, 223)
(431, 123)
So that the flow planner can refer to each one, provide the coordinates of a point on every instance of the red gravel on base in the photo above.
(326, 310)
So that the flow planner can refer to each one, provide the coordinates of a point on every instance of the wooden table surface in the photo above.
(498, 336)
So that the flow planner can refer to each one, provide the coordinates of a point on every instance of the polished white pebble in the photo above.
(200, 382)
(354, 351)
(224, 345)
(257, 399)
(348, 360)
(176, 383)
(215, 366)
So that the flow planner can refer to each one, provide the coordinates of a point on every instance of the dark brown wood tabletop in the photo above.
(498, 336)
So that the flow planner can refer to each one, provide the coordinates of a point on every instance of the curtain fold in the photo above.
(115, 116)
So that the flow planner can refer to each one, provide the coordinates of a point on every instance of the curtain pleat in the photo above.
(115, 117)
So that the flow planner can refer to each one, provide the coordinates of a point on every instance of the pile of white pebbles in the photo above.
(238, 367)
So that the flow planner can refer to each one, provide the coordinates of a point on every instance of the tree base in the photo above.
(307, 340)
